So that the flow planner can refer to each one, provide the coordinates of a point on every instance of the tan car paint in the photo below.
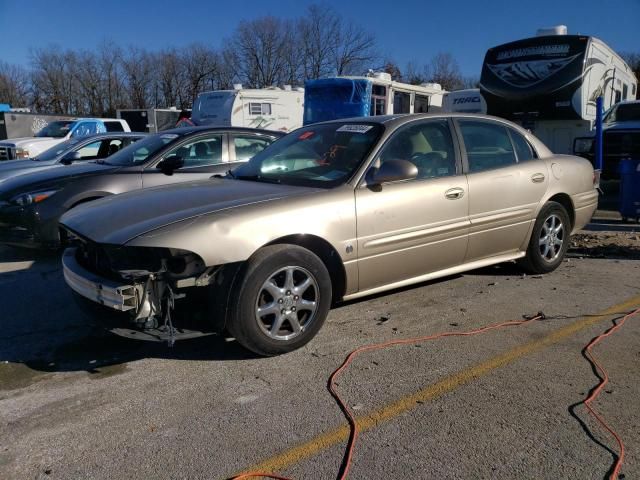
(407, 232)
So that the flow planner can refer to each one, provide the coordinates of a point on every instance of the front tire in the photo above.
(281, 300)
(549, 240)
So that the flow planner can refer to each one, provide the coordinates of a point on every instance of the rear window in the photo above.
(114, 126)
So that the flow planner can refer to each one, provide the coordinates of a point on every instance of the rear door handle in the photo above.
(537, 178)
(454, 193)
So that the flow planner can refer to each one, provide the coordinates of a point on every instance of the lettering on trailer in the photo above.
(457, 101)
(545, 50)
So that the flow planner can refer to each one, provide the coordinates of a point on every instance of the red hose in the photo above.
(353, 436)
(604, 379)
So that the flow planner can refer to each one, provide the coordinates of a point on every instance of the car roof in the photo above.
(98, 136)
(200, 129)
(400, 118)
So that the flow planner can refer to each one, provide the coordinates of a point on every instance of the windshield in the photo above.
(317, 156)
(57, 129)
(623, 112)
(53, 152)
(139, 152)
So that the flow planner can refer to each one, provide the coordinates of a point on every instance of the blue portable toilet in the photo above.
(630, 188)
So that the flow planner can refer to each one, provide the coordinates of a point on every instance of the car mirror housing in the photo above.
(394, 171)
(170, 164)
(70, 157)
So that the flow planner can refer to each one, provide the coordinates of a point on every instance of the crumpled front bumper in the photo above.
(112, 294)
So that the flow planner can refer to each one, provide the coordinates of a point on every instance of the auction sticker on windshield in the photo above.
(355, 128)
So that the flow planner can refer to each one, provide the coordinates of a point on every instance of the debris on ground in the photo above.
(606, 244)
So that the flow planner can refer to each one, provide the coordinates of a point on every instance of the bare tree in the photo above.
(392, 69)
(14, 85)
(470, 82)
(139, 77)
(444, 69)
(259, 48)
(355, 50)
(199, 64)
(54, 83)
(319, 33)
(414, 74)
(110, 65)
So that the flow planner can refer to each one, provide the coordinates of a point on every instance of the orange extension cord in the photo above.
(604, 379)
(353, 436)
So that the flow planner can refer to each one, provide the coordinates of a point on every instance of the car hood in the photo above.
(121, 218)
(622, 126)
(21, 141)
(13, 167)
(57, 174)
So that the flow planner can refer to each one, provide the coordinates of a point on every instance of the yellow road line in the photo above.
(435, 390)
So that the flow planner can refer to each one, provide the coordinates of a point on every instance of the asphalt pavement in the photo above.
(77, 403)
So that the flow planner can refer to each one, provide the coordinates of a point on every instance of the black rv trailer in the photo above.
(549, 84)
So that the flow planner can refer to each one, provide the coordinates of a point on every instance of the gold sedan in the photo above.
(331, 212)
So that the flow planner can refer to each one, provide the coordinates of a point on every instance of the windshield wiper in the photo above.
(257, 178)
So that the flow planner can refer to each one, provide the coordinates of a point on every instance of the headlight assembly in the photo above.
(22, 153)
(32, 197)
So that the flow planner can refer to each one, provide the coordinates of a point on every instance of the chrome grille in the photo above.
(6, 153)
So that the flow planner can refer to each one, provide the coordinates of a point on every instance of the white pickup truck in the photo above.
(57, 132)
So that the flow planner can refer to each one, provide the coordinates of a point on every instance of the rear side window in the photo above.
(524, 150)
(488, 145)
(114, 127)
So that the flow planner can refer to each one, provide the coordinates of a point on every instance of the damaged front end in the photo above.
(142, 282)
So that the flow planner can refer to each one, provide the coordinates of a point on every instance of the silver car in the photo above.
(331, 212)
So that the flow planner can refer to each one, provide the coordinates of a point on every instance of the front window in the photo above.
(58, 129)
(318, 156)
(428, 145)
(141, 151)
(53, 152)
(200, 152)
(624, 112)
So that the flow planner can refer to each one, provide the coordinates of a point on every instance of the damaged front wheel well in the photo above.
(329, 256)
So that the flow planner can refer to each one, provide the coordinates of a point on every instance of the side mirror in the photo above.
(170, 164)
(70, 157)
(394, 171)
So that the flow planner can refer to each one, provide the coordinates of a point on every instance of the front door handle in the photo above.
(537, 178)
(454, 193)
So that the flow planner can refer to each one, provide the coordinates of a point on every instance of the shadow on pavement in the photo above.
(42, 329)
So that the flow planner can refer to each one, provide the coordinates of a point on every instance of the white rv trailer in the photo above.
(270, 108)
(469, 100)
(374, 94)
(549, 84)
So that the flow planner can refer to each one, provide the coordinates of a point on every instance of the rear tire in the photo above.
(280, 300)
(549, 240)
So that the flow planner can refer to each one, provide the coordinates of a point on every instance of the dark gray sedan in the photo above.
(31, 204)
(74, 150)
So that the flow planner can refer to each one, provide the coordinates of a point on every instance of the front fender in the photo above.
(234, 235)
